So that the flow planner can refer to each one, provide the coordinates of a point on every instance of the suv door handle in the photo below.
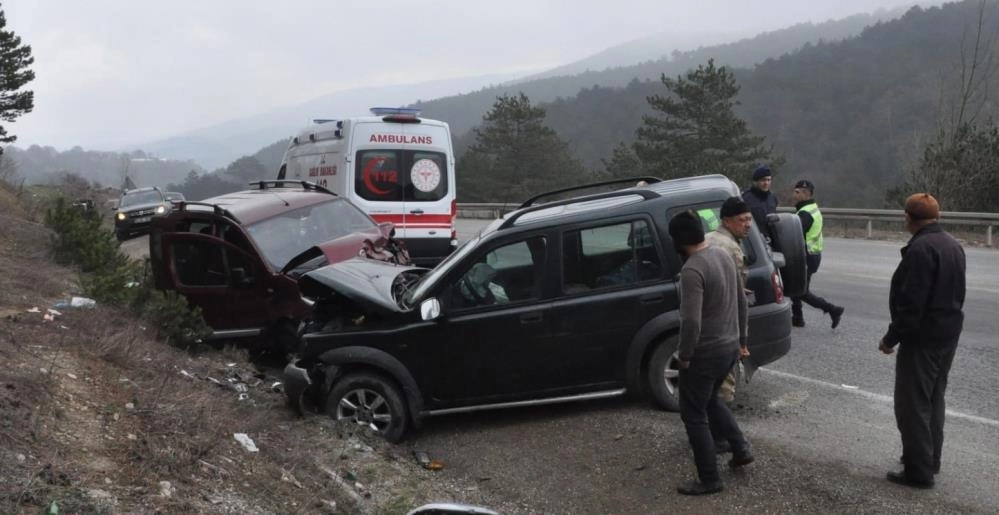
(654, 298)
(416, 212)
(530, 318)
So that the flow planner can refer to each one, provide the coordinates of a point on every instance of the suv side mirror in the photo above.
(239, 278)
(430, 309)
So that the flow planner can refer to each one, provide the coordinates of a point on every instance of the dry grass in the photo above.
(95, 414)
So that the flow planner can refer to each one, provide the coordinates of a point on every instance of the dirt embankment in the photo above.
(97, 416)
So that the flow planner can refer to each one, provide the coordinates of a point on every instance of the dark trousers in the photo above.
(703, 414)
(920, 382)
(813, 261)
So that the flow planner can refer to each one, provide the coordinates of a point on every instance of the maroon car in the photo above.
(238, 256)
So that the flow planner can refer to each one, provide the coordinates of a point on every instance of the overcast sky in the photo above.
(116, 72)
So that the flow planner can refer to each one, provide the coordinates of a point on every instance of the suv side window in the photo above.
(610, 255)
(508, 274)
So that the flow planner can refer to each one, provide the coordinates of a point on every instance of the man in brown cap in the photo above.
(926, 302)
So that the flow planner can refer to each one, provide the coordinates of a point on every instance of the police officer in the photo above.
(760, 199)
(811, 224)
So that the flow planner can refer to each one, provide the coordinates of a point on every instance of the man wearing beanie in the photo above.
(926, 302)
(811, 224)
(760, 199)
(735, 223)
(713, 324)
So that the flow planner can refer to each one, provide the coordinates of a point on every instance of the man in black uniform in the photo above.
(926, 302)
(760, 199)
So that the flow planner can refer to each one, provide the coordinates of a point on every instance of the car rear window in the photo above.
(282, 237)
(401, 175)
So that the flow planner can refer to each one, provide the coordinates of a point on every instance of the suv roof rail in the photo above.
(217, 209)
(632, 180)
(308, 185)
(645, 194)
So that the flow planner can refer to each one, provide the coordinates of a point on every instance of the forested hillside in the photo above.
(465, 111)
(850, 115)
(46, 165)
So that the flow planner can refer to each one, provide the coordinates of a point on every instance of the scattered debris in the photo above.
(76, 302)
(287, 477)
(34, 309)
(424, 460)
(21, 458)
(166, 489)
(129, 406)
(245, 441)
(71, 376)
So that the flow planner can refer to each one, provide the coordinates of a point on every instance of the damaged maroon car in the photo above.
(238, 256)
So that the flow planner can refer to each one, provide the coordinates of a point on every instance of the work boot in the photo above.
(741, 459)
(798, 322)
(836, 312)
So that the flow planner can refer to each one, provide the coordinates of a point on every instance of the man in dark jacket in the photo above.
(811, 225)
(926, 302)
(713, 326)
(760, 199)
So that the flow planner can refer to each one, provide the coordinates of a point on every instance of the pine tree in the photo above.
(515, 155)
(15, 60)
(698, 131)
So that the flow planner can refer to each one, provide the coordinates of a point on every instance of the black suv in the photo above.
(135, 210)
(559, 301)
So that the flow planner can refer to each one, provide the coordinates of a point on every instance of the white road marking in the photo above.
(873, 396)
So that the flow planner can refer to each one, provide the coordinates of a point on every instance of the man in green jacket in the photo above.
(811, 224)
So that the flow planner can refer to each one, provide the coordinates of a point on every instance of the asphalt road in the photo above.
(820, 420)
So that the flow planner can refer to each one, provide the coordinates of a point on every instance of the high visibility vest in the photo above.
(710, 218)
(813, 238)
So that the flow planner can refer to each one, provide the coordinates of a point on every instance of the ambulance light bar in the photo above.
(388, 111)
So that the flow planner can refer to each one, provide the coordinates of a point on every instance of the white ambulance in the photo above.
(394, 165)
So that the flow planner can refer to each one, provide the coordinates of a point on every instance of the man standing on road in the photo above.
(713, 324)
(735, 223)
(760, 199)
(926, 302)
(811, 224)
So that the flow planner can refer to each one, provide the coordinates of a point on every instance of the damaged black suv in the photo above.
(559, 301)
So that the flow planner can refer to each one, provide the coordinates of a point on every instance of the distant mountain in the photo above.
(44, 165)
(465, 111)
(218, 145)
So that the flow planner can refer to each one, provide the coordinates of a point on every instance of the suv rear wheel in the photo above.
(664, 375)
(369, 400)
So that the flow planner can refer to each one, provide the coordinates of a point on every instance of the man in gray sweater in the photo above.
(713, 324)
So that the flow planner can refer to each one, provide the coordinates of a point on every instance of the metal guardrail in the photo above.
(988, 220)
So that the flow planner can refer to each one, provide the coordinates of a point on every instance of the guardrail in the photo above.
(987, 220)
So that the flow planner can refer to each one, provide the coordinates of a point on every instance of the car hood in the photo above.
(365, 281)
(141, 207)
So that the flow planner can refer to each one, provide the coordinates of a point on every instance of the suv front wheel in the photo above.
(369, 400)
(664, 375)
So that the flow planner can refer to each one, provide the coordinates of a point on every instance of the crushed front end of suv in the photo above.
(560, 301)
(238, 256)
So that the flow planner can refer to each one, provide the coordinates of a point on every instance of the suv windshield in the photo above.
(288, 234)
(142, 197)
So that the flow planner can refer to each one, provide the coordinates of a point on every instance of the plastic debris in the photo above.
(34, 309)
(82, 302)
(277, 387)
(422, 458)
(245, 441)
(435, 465)
(53, 508)
(186, 374)
(850, 386)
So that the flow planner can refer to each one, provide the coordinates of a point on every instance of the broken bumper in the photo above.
(296, 385)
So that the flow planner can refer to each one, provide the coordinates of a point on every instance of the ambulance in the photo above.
(394, 165)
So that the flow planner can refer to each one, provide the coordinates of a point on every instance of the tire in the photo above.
(371, 401)
(664, 376)
(790, 241)
(120, 236)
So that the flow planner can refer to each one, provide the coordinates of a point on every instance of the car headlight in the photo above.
(161, 209)
(121, 216)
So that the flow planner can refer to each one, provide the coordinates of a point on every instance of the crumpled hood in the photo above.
(365, 281)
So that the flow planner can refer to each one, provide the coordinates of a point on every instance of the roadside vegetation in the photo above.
(115, 409)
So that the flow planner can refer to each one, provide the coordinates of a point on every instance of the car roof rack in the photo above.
(217, 209)
(632, 180)
(645, 194)
(278, 183)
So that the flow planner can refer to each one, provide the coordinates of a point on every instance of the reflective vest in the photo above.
(813, 238)
(710, 219)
